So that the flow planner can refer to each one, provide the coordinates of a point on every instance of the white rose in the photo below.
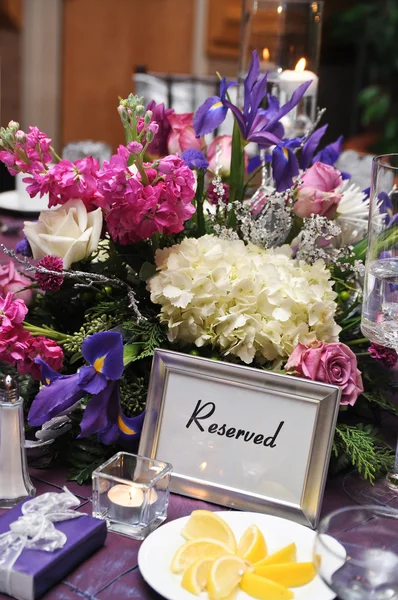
(69, 232)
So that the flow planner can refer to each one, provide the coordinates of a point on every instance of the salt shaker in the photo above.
(15, 483)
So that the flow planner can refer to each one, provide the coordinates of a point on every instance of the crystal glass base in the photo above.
(362, 492)
(131, 493)
(138, 531)
(11, 502)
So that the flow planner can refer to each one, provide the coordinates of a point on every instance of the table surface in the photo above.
(112, 572)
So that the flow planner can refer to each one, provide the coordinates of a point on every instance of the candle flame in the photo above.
(203, 466)
(131, 492)
(300, 67)
(266, 54)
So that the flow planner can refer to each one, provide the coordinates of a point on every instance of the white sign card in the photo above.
(239, 436)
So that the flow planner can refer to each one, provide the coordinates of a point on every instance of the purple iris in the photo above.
(330, 153)
(285, 164)
(104, 353)
(255, 124)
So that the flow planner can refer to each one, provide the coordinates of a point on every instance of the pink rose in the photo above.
(44, 348)
(12, 312)
(11, 281)
(317, 195)
(331, 363)
(182, 135)
(224, 142)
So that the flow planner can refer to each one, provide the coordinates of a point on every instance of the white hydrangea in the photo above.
(247, 301)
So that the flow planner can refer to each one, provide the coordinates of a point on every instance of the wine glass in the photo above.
(380, 295)
(356, 552)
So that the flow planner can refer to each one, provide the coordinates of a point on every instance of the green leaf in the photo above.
(376, 397)
(147, 270)
(131, 352)
(237, 172)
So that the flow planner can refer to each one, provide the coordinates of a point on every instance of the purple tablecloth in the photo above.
(113, 571)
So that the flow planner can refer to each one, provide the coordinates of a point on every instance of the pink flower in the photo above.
(40, 347)
(46, 281)
(387, 356)
(317, 194)
(12, 281)
(14, 343)
(212, 195)
(12, 312)
(182, 135)
(158, 147)
(224, 143)
(332, 363)
(67, 180)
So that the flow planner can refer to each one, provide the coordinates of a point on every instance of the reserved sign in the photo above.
(240, 436)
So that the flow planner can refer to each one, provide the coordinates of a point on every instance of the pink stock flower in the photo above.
(182, 135)
(44, 348)
(158, 147)
(12, 281)
(317, 194)
(67, 180)
(332, 363)
(12, 312)
(14, 343)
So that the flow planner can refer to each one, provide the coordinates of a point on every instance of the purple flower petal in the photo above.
(130, 426)
(104, 351)
(285, 166)
(209, 116)
(330, 153)
(47, 373)
(264, 138)
(95, 418)
(54, 399)
(90, 381)
(310, 146)
(294, 100)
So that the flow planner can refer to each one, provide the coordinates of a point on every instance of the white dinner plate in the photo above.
(158, 549)
(13, 200)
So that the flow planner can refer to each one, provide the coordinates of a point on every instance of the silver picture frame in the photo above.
(172, 432)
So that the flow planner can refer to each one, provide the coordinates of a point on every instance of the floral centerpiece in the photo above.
(175, 250)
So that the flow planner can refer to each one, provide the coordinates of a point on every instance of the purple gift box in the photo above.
(36, 571)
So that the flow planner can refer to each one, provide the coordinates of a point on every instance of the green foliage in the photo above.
(133, 391)
(146, 336)
(380, 399)
(361, 446)
(85, 456)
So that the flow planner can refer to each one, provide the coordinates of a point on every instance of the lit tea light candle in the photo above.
(126, 501)
(290, 80)
(266, 64)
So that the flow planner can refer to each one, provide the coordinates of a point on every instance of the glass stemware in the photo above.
(380, 295)
(356, 552)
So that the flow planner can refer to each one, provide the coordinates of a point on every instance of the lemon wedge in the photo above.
(224, 576)
(206, 524)
(193, 550)
(195, 577)
(264, 589)
(290, 574)
(282, 556)
(252, 546)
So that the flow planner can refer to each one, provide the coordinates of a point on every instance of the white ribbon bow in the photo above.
(35, 530)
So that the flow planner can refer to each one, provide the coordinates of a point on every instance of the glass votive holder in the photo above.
(131, 493)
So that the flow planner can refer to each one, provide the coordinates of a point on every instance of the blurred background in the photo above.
(64, 63)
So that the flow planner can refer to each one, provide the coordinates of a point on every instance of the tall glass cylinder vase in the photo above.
(287, 37)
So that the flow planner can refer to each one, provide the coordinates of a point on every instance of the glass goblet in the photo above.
(356, 552)
(380, 295)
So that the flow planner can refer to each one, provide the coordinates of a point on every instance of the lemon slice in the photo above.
(264, 589)
(252, 545)
(195, 577)
(282, 556)
(206, 524)
(224, 577)
(193, 550)
(290, 574)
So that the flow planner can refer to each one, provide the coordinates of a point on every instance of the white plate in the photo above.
(18, 202)
(158, 549)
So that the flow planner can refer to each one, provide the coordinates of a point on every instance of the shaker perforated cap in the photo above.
(9, 389)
